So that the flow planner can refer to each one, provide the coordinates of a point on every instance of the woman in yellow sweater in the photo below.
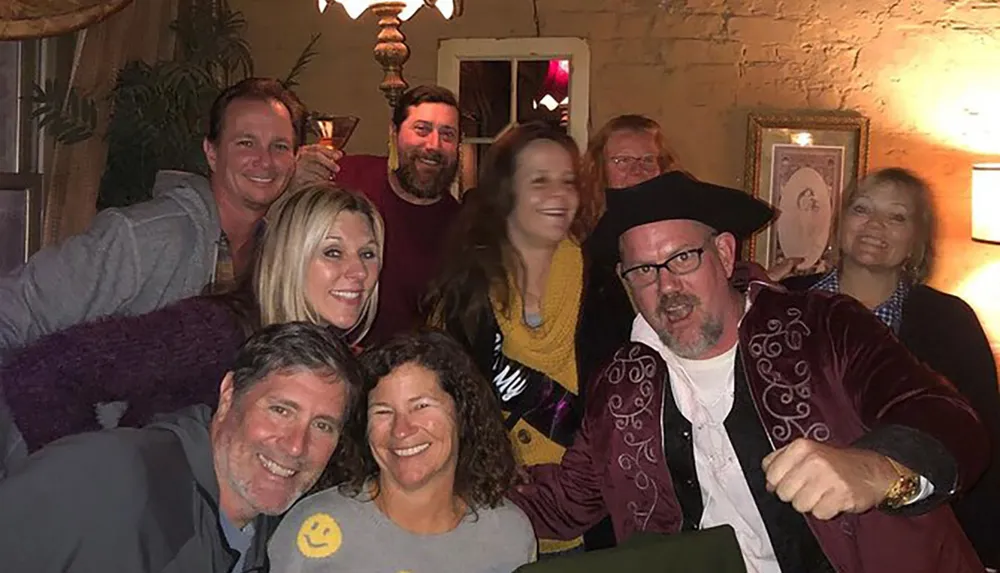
(511, 287)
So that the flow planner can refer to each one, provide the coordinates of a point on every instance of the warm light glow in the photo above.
(942, 86)
(355, 8)
(986, 202)
(972, 120)
(549, 102)
(979, 289)
(803, 138)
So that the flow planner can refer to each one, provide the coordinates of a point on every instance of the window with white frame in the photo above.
(502, 82)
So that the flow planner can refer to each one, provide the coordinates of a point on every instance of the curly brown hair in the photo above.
(486, 467)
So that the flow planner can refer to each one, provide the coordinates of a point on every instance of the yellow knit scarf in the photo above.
(550, 348)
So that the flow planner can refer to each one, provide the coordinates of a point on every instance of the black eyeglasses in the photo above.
(682, 263)
(626, 162)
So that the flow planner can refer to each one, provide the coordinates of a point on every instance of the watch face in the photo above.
(905, 490)
(911, 489)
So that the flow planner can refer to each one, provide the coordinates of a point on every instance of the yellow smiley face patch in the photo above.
(319, 536)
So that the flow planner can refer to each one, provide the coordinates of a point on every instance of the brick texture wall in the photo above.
(924, 71)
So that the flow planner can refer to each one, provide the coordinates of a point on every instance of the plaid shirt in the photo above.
(225, 278)
(889, 312)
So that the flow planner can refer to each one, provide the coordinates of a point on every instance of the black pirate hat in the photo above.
(676, 195)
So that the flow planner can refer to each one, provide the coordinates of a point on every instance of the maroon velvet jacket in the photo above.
(819, 366)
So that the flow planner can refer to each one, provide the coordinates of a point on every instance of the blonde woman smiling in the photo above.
(319, 262)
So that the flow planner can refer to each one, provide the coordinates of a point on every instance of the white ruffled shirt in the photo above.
(703, 391)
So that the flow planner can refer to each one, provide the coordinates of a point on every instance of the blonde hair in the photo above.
(296, 225)
(594, 176)
(918, 266)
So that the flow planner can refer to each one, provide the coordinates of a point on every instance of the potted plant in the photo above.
(158, 110)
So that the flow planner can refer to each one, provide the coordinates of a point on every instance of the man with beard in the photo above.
(796, 418)
(195, 491)
(414, 199)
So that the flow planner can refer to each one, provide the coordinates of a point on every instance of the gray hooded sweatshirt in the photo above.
(131, 261)
(126, 500)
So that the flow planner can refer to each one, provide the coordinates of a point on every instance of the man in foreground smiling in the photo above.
(796, 418)
(194, 492)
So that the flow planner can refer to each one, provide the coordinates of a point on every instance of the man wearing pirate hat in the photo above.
(796, 418)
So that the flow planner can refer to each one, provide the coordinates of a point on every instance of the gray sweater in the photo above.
(123, 501)
(131, 261)
(329, 531)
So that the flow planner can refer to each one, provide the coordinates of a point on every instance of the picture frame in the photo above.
(801, 164)
(20, 218)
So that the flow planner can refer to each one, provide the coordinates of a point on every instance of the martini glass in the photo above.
(335, 130)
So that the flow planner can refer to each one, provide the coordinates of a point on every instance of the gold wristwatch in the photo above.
(902, 491)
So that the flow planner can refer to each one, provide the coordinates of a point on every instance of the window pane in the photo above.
(13, 224)
(543, 91)
(10, 65)
(484, 97)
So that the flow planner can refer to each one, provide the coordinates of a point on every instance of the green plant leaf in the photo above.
(306, 56)
(159, 110)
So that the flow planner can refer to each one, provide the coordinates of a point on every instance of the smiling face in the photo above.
(691, 313)
(319, 536)
(412, 430)
(879, 228)
(341, 276)
(631, 157)
(427, 142)
(545, 195)
(271, 443)
(254, 158)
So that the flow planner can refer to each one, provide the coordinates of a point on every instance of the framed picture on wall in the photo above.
(801, 164)
(20, 218)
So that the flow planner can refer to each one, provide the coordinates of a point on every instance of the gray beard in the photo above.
(711, 332)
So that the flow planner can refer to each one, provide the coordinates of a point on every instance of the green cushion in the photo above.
(713, 550)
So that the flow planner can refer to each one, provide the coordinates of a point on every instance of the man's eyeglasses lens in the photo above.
(682, 263)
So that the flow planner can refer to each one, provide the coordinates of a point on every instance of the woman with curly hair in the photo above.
(422, 470)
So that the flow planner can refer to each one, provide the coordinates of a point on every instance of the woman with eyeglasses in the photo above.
(628, 150)
(511, 289)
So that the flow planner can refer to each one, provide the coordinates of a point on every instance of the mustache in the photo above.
(431, 155)
(676, 299)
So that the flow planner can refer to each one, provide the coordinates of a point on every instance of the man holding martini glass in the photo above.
(413, 197)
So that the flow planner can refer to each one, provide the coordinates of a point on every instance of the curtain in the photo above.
(73, 173)
(21, 19)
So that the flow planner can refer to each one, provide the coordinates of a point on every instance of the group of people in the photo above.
(335, 365)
